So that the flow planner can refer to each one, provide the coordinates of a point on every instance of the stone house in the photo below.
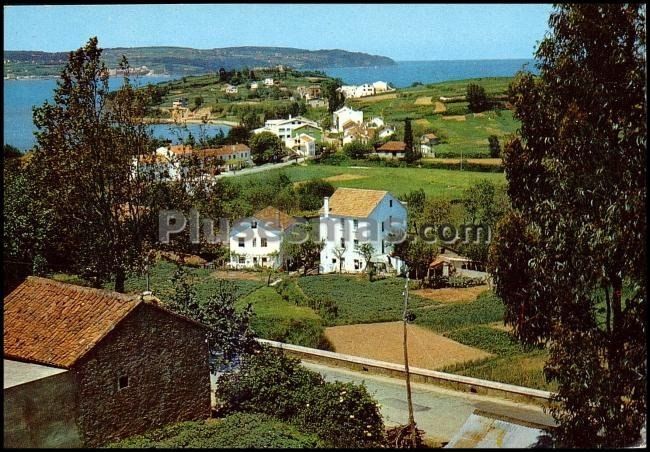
(391, 150)
(90, 366)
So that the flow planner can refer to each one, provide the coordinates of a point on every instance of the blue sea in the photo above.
(21, 95)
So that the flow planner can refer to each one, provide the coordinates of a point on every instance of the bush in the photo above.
(357, 149)
(241, 430)
(341, 414)
(344, 415)
(312, 192)
(267, 382)
(323, 304)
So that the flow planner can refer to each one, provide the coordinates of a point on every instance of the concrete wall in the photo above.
(42, 413)
(451, 381)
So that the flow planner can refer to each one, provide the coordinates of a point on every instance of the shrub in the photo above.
(267, 382)
(357, 149)
(241, 430)
(344, 415)
(341, 414)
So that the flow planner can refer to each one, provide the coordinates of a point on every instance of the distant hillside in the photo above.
(181, 60)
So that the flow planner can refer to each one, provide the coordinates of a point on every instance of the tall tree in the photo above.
(410, 154)
(88, 142)
(476, 98)
(577, 181)
(331, 92)
(266, 147)
(494, 146)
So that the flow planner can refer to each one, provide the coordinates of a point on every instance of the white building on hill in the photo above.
(344, 115)
(352, 217)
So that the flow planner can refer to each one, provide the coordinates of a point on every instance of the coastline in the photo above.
(222, 122)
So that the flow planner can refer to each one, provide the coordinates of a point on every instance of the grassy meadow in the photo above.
(438, 183)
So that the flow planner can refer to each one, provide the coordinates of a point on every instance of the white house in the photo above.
(254, 85)
(427, 143)
(348, 90)
(352, 217)
(230, 89)
(161, 165)
(376, 122)
(345, 114)
(304, 144)
(255, 241)
(364, 90)
(381, 87)
(268, 82)
(450, 263)
(285, 129)
(386, 132)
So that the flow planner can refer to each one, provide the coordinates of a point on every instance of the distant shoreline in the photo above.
(221, 122)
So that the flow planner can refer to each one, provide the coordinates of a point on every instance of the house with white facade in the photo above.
(352, 217)
(268, 82)
(255, 241)
(427, 143)
(289, 129)
(385, 132)
(231, 89)
(343, 115)
(381, 87)
(161, 165)
(254, 85)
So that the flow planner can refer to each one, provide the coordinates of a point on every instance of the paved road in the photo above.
(438, 411)
(259, 169)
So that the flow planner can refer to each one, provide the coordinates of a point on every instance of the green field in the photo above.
(359, 300)
(459, 130)
(448, 184)
(280, 320)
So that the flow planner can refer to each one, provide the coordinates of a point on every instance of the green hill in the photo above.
(183, 60)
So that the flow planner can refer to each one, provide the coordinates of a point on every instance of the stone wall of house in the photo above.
(166, 361)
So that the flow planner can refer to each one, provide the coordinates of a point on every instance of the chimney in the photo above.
(326, 206)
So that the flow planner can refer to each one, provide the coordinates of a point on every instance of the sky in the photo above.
(400, 31)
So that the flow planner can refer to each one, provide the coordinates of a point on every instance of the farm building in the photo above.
(86, 366)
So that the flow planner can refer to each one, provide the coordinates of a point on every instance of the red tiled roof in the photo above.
(392, 146)
(54, 323)
(275, 218)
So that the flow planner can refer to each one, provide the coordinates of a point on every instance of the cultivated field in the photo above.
(383, 341)
(451, 294)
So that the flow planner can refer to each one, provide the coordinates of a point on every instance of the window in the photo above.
(356, 264)
(254, 261)
(264, 260)
(356, 224)
(241, 242)
(383, 248)
(342, 242)
(254, 225)
(342, 221)
(122, 382)
(356, 243)
(242, 259)
(382, 226)
(333, 261)
(254, 242)
(390, 203)
(263, 243)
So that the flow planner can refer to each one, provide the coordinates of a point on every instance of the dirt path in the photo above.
(452, 294)
(247, 276)
(383, 341)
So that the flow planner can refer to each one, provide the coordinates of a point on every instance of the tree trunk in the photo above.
(120, 277)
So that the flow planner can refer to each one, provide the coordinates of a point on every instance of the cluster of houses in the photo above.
(347, 219)
(175, 161)
(297, 133)
(366, 89)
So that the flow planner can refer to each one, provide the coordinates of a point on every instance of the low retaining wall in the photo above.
(451, 381)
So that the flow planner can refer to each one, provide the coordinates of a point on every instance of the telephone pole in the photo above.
(406, 363)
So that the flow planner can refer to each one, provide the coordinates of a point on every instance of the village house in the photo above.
(391, 150)
(427, 142)
(83, 367)
(451, 263)
(254, 85)
(158, 166)
(346, 115)
(309, 92)
(255, 241)
(290, 129)
(229, 157)
(352, 217)
(358, 132)
(268, 82)
(381, 87)
(231, 89)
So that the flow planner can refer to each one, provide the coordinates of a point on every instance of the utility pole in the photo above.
(406, 363)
